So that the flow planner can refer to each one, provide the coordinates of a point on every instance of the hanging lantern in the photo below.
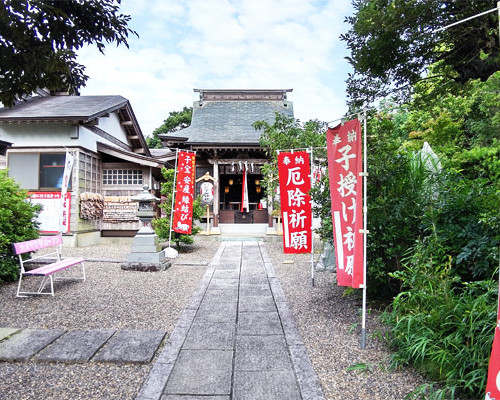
(230, 181)
(257, 182)
(226, 189)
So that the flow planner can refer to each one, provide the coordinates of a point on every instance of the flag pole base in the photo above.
(363, 338)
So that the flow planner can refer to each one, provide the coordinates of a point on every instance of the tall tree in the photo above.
(39, 40)
(175, 121)
(393, 42)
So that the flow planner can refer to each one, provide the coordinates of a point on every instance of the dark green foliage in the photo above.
(39, 40)
(443, 327)
(16, 224)
(162, 225)
(176, 121)
(285, 134)
(392, 44)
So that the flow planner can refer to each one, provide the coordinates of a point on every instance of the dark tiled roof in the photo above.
(229, 122)
(83, 108)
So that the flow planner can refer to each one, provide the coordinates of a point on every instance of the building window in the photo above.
(122, 177)
(38, 171)
(51, 170)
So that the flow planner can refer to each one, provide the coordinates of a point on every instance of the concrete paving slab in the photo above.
(255, 290)
(27, 343)
(134, 346)
(8, 332)
(262, 353)
(226, 274)
(257, 303)
(201, 372)
(253, 279)
(279, 295)
(210, 336)
(173, 346)
(155, 382)
(223, 283)
(189, 397)
(268, 385)
(306, 377)
(251, 271)
(228, 265)
(229, 295)
(216, 312)
(259, 323)
(76, 346)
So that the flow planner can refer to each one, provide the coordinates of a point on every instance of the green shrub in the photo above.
(17, 224)
(162, 225)
(442, 327)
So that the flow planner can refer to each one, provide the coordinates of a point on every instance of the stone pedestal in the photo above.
(146, 255)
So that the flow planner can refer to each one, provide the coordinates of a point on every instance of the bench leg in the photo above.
(42, 285)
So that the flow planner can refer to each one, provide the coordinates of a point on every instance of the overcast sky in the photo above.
(225, 44)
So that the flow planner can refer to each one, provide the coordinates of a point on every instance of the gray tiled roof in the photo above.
(230, 122)
(57, 107)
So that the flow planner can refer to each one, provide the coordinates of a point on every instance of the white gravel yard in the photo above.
(115, 299)
(110, 298)
(330, 324)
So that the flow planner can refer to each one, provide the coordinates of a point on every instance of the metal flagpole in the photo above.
(173, 199)
(365, 231)
(312, 230)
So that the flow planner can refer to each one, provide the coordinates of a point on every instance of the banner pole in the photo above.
(173, 199)
(312, 230)
(365, 231)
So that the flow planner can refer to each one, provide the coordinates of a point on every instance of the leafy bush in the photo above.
(443, 327)
(162, 225)
(17, 224)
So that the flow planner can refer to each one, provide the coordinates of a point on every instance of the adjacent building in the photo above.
(112, 161)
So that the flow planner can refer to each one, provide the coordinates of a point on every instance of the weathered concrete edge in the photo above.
(309, 386)
(156, 381)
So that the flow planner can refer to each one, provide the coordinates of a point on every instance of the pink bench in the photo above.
(45, 271)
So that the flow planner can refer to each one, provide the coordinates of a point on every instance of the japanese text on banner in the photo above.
(344, 166)
(184, 196)
(295, 184)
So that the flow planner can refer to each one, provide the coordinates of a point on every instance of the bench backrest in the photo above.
(37, 244)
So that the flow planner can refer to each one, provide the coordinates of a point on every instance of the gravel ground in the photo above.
(330, 325)
(109, 298)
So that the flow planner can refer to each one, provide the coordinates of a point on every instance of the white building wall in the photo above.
(112, 125)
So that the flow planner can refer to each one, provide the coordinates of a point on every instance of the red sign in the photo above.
(493, 382)
(184, 195)
(344, 167)
(295, 184)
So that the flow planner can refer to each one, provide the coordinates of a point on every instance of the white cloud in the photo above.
(226, 44)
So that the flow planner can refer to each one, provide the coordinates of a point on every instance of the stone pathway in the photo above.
(78, 346)
(236, 340)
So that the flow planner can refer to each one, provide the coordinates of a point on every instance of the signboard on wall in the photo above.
(50, 214)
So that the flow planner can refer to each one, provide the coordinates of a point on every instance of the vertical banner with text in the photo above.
(68, 168)
(344, 167)
(184, 193)
(493, 382)
(295, 184)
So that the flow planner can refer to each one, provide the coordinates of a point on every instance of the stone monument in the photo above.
(146, 253)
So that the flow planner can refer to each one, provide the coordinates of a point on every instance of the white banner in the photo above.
(68, 167)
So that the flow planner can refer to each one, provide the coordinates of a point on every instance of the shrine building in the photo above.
(227, 148)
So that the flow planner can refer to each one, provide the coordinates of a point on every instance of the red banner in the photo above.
(295, 183)
(493, 382)
(344, 166)
(184, 196)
